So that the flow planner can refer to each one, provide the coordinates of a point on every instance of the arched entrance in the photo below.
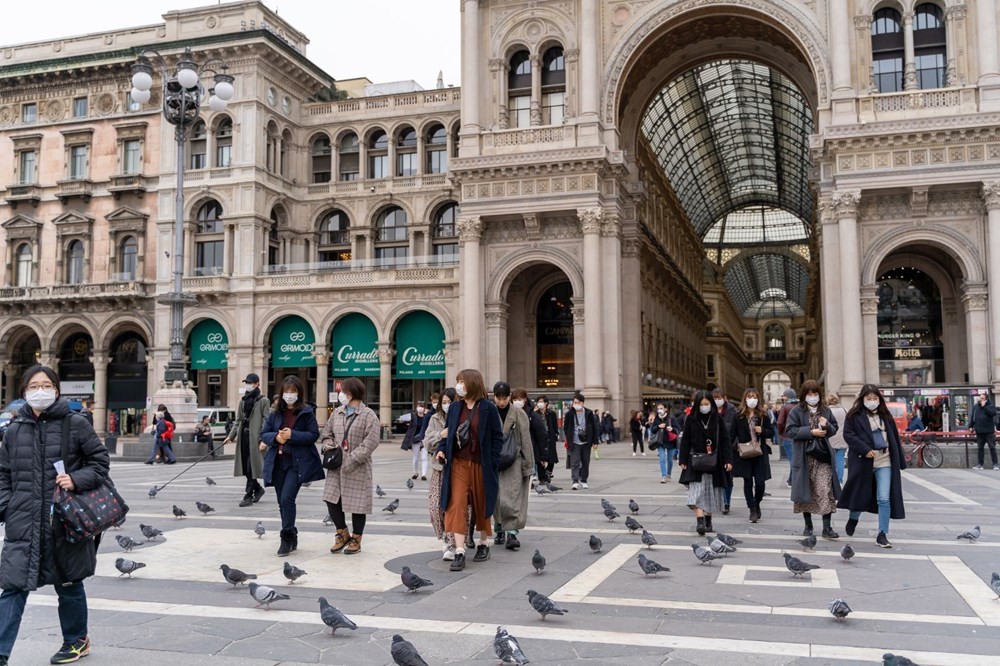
(775, 383)
(418, 367)
(208, 355)
(23, 349)
(292, 342)
(354, 353)
(76, 371)
(126, 386)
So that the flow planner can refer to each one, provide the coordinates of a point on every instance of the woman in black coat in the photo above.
(752, 425)
(35, 551)
(815, 487)
(704, 432)
(551, 456)
(874, 462)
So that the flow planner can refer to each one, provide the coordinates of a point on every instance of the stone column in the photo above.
(829, 267)
(845, 206)
(233, 377)
(974, 297)
(909, 59)
(322, 378)
(986, 22)
(496, 342)
(958, 63)
(470, 231)
(632, 336)
(869, 328)
(470, 68)
(536, 90)
(498, 70)
(840, 47)
(611, 302)
(593, 371)
(385, 354)
(991, 197)
(590, 77)
(579, 336)
(100, 362)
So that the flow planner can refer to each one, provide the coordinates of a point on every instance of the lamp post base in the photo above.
(182, 402)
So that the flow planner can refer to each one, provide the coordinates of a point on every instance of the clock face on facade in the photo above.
(80, 347)
(272, 97)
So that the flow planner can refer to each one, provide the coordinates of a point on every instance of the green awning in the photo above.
(419, 347)
(208, 346)
(355, 347)
(292, 344)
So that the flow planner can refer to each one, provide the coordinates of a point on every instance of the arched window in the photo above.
(273, 241)
(553, 86)
(210, 244)
(271, 149)
(887, 50)
(24, 261)
(930, 47)
(406, 152)
(774, 342)
(349, 155)
(436, 141)
(286, 143)
(334, 240)
(378, 155)
(128, 259)
(199, 138)
(322, 155)
(209, 218)
(391, 247)
(519, 90)
(445, 234)
(224, 143)
(74, 263)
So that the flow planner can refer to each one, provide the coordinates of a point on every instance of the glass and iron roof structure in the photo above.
(733, 138)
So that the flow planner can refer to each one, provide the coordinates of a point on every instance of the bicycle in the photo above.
(928, 453)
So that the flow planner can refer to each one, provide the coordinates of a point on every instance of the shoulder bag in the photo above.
(334, 458)
(705, 463)
(511, 448)
(751, 449)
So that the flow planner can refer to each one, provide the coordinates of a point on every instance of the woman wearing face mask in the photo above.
(436, 431)
(511, 513)
(753, 426)
(550, 455)
(704, 432)
(354, 427)
(35, 550)
(471, 454)
(874, 465)
(635, 428)
(163, 437)
(411, 440)
(815, 487)
(424, 413)
(289, 440)
(665, 432)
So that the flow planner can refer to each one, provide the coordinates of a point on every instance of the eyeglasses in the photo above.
(35, 387)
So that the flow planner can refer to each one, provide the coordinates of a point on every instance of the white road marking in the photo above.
(950, 495)
(587, 580)
(973, 589)
(736, 574)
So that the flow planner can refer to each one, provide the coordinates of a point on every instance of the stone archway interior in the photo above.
(540, 330)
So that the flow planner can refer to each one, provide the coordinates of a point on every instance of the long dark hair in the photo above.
(167, 416)
(292, 381)
(452, 397)
(34, 370)
(696, 404)
(859, 403)
(810, 386)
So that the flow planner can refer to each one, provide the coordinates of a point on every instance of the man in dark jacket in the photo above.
(580, 429)
(981, 419)
(728, 415)
(550, 454)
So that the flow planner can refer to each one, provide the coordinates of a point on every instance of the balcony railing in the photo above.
(408, 101)
(75, 187)
(549, 136)
(909, 102)
(362, 265)
(127, 183)
(29, 192)
(75, 291)
(377, 185)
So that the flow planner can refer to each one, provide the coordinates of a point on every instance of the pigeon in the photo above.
(633, 506)
(797, 566)
(648, 539)
(704, 554)
(728, 540)
(544, 605)
(409, 484)
(542, 490)
(507, 649)
(179, 513)
(847, 552)
(595, 544)
(392, 506)
(327, 520)
(839, 609)
(610, 514)
(994, 583)
(153, 491)
(149, 531)
(538, 561)
(632, 524)
(379, 491)
(235, 576)
(126, 542)
(648, 566)
(204, 508)
(404, 654)
(258, 529)
(890, 659)
(333, 617)
(809, 543)
(209, 481)
(972, 535)
(126, 567)
(606, 505)
(118, 525)
(412, 581)
(719, 547)
(292, 573)
(553, 488)
(265, 596)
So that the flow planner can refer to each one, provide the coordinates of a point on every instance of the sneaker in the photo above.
(458, 563)
(663, 479)
(643, 454)
(633, 454)
(584, 484)
(71, 652)
(725, 510)
(882, 541)
(449, 554)
(576, 486)
(482, 553)
(996, 468)
(512, 542)
(978, 467)
(258, 493)
(850, 526)
(788, 483)
(423, 478)
(500, 538)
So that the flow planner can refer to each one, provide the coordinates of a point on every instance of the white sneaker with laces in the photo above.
(576, 486)
(633, 454)
(449, 554)
(585, 486)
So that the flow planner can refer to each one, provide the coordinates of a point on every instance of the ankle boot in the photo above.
(343, 536)
(701, 526)
(353, 545)
(293, 538)
(286, 543)
(708, 524)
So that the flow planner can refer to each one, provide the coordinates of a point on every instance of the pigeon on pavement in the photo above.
(204, 508)
(179, 513)
(728, 540)
(412, 581)
(258, 529)
(126, 567)
(718, 547)
(235, 576)
(995, 584)
(542, 489)
(292, 572)
(333, 617)
(633, 506)
(507, 649)
(972, 535)
(404, 654)
(544, 605)
(632, 524)
(209, 481)
(379, 491)
(610, 514)
(839, 609)
(595, 544)
(809, 543)
(648, 566)
(149, 531)
(153, 491)
(797, 566)
(409, 484)
(890, 659)
(538, 561)
(265, 596)
(327, 520)
(847, 552)
(126, 542)
(553, 488)
(605, 504)
(704, 554)
(648, 539)
(393, 505)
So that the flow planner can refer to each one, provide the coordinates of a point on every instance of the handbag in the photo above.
(878, 436)
(818, 449)
(334, 458)
(751, 449)
(462, 431)
(88, 513)
(510, 449)
(705, 463)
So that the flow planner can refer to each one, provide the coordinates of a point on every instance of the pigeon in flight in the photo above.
(292, 572)
(890, 659)
(728, 540)
(595, 544)
(258, 529)
(204, 508)
(265, 596)
(393, 505)
(126, 567)
(606, 505)
(847, 552)
(333, 617)
(404, 654)
(703, 554)
(179, 513)
(633, 506)
(209, 481)
(412, 581)
(648, 566)
(538, 561)
(126, 542)
(544, 605)
(507, 649)
(379, 491)
(648, 539)
(153, 491)
(409, 484)
(972, 535)
(719, 547)
(149, 531)
(809, 543)
(995, 584)
(632, 524)
(610, 514)
(797, 566)
(235, 576)
(839, 609)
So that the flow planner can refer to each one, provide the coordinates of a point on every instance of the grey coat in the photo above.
(255, 421)
(352, 483)
(515, 482)
(797, 430)
(432, 436)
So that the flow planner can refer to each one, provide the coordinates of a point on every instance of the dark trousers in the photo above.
(580, 461)
(637, 439)
(753, 495)
(984, 439)
(208, 441)
(252, 484)
(286, 486)
(541, 471)
(72, 614)
(339, 518)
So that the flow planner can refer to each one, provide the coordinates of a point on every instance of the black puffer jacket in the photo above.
(35, 551)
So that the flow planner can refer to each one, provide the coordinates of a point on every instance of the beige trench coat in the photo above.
(353, 481)
(511, 512)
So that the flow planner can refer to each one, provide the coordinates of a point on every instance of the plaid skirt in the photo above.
(705, 496)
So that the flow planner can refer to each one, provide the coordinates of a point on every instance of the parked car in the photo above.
(218, 418)
(7, 415)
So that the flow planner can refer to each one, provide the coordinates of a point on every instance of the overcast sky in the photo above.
(385, 40)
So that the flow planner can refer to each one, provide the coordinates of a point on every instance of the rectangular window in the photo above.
(29, 161)
(198, 160)
(78, 162)
(333, 260)
(931, 70)
(519, 111)
(710, 364)
(378, 166)
(888, 74)
(553, 108)
(406, 164)
(223, 156)
(79, 107)
(446, 253)
(437, 161)
(209, 257)
(132, 157)
(391, 257)
(29, 112)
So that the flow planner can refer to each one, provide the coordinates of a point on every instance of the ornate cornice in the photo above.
(590, 220)
(470, 228)
(845, 203)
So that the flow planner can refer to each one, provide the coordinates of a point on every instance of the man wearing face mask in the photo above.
(981, 420)
(550, 449)
(580, 429)
(251, 413)
(729, 418)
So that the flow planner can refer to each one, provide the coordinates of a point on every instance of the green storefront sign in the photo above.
(355, 347)
(292, 344)
(420, 347)
(209, 345)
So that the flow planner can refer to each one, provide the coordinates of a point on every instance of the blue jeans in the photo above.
(838, 464)
(786, 444)
(727, 492)
(286, 486)
(72, 614)
(666, 459)
(883, 483)
(165, 449)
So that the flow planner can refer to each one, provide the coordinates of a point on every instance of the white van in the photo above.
(218, 417)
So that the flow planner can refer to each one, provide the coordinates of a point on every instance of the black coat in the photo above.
(859, 491)
(411, 431)
(539, 435)
(552, 433)
(693, 440)
(302, 445)
(35, 551)
(655, 430)
(981, 419)
(569, 422)
(758, 468)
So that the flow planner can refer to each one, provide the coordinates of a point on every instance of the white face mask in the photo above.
(719, 402)
(420, 411)
(577, 406)
(434, 405)
(290, 398)
(40, 399)
(706, 409)
(460, 389)
(661, 412)
(243, 390)
(752, 403)
(445, 407)
(343, 398)
(519, 404)
(541, 406)
(871, 405)
(812, 400)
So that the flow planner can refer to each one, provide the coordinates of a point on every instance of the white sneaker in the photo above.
(449, 554)
(576, 486)
(978, 467)
(633, 454)
(585, 486)
(996, 468)
(643, 454)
